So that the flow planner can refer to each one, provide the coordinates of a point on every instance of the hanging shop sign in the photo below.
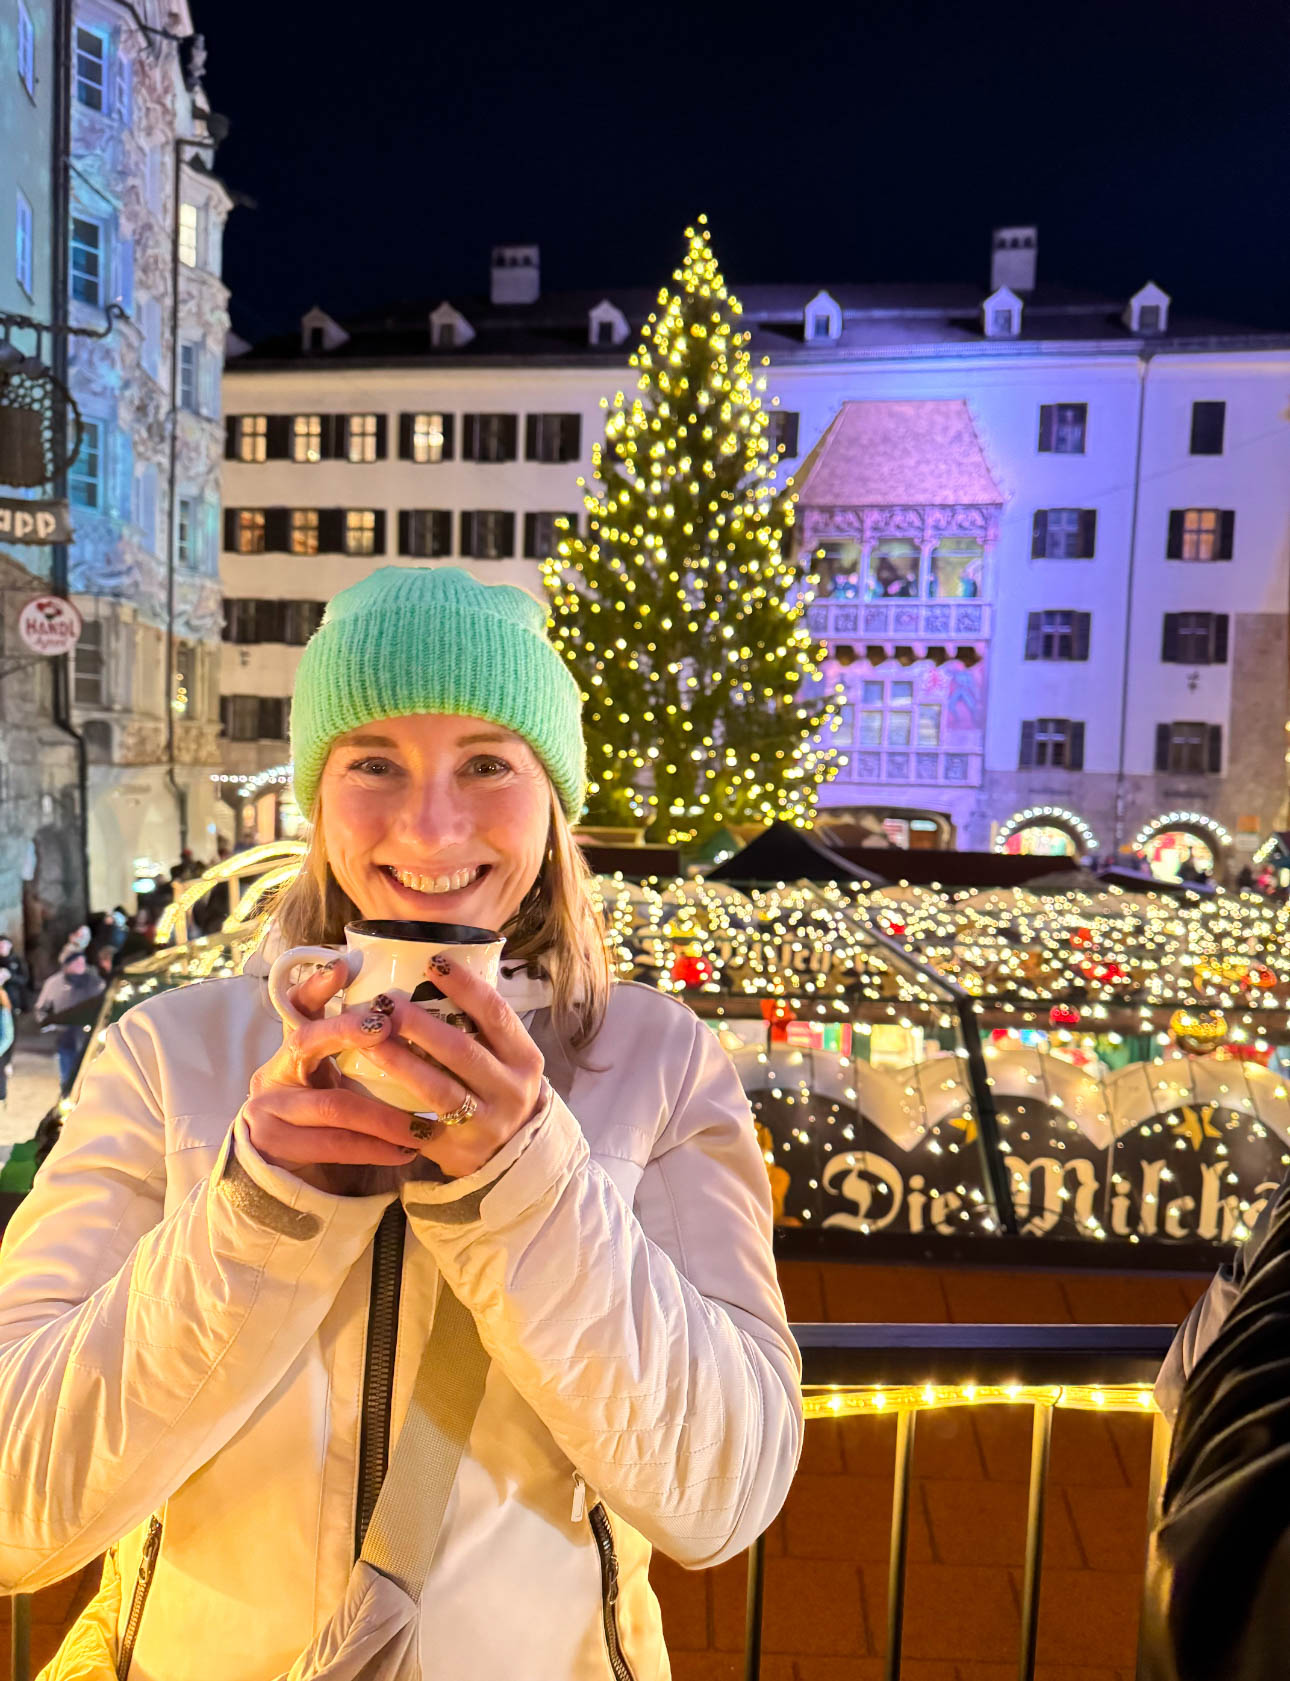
(22, 521)
(50, 625)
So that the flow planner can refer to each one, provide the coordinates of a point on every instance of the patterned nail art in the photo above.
(440, 964)
(421, 1126)
(383, 1004)
(373, 1024)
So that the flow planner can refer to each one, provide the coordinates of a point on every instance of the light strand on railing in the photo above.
(849, 1401)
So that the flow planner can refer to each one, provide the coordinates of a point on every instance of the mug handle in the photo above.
(280, 978)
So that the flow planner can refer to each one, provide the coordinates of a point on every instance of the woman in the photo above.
(184, 1298)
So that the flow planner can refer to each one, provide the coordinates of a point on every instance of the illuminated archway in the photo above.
(1178, 843)
(1047, 831)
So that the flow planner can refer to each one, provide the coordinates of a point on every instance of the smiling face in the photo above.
(435, 818)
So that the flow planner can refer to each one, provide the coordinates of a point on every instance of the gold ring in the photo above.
(462, 1113)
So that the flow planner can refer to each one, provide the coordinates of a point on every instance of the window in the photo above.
(1054, 742)
(1062, 427)
(306, 437)
(1208, 421)
(542, 538)
(1064, 534)
(292, 622)
(253, 717)
(488, 534)
(252, 437)
(364, 437)
(87, 260)
(248, 531)
(1001, 322)
(490, 437)
(821, 327)
(1149, 318)
(85, 476)
(604, 332)
(781, 431)
(189, 377)
(425, 436)
(1195, 639)
(188, 229)
(26, 49)
(1189, 749)
(552, 437)
(89, 666)
(300, 619)
(929, 726)
(360, 531)
(91, 69)
(186, 531)
(425, 533)
(1200, 534)
(445, 335)
(23, 242)
(1057, 635)
(304, 531)
(894, 567)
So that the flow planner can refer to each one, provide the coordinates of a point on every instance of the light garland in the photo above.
(1183, 820)
(1039, 814)
(840, 1401)
(251, 782)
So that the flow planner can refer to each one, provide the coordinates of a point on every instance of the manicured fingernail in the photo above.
(373, 1024)
(440, 964)
(420, 1127)
(383, 1004)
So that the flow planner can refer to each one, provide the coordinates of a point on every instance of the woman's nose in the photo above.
(436, 818)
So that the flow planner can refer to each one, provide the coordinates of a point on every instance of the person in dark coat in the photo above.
(74, 983)
(18, 986)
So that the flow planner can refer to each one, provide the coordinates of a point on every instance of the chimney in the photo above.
(1014, 253)
(516, 275)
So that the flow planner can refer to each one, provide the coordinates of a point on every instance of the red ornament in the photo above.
(777, 1010)
(1063, 1015)
(1260, 977)
(691, 970)
(1082, 937)
(891, 925)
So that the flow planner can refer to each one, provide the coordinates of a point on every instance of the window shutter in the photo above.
(232, 425)
(448, 431)
(530, 437)
(1219, 643)
(230, 529)
(530, 535)
(405, 528)
(1080, 635)
(1027, 744)
(571, 437)
(1169, 648)
(332, 437)
(277, 530)
(378, 535)
(506, 547)
(228, 621)
(226, 715)
(1087, 532)
(331, 531)
(1034, 636)
(382, 436)
(1047, 425)
(277, 437)
(788, 432)
(405, 448)
(510, 437)
(1164, 734)
(1075, 746)
(442, 533)
(468, 525)
(1175, 546)
(470, 437)
(1226, 532)
(1214, 763)
(1039, 535)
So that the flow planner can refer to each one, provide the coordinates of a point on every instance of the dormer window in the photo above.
(1001, 320)
(320, 333)
(445, 335)
(1001, 314)
(1149, 318)
(1147, 311)
(449, 328)
(606, 325)
(821, 327)
(316, 339)
(604, 331)
(822, 320)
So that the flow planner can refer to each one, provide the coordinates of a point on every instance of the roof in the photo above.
(785, 853)
(926, 454)
(876, 320)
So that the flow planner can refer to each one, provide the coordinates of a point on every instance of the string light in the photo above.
(851, 1401)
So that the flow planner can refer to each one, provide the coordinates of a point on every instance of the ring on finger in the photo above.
(462, 1113)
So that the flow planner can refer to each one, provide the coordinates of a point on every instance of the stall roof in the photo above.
(785, 853)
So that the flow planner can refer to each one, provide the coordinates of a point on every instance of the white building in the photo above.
(1050, 526)
(147, 228)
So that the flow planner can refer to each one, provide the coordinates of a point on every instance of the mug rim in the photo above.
(423, 933)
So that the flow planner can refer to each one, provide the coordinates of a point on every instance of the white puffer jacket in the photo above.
(184, 1326)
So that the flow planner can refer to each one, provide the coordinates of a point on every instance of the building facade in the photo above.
(41, 854)
(146, 234)
(1047, 526)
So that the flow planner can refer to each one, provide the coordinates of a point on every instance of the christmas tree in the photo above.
(677, 611)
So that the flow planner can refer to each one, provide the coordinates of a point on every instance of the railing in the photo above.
(908, 1369)
(904, 621)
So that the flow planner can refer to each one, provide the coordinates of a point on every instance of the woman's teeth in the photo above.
(436, 884)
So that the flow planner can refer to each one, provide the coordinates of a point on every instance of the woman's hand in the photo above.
(299, 1115)
(501, 1070)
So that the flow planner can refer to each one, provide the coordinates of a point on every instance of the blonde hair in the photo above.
(555, 931)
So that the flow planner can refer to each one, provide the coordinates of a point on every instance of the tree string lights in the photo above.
(680, 613)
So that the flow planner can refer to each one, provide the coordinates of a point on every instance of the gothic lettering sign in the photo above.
(34, 522)
(50, 625)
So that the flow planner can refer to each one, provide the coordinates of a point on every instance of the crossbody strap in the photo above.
(409, 1511)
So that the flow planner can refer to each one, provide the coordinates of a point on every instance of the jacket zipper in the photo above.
(147, 1567)
(598, 1518)
(378, 1371)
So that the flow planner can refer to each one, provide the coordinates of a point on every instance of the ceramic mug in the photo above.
(394, 958)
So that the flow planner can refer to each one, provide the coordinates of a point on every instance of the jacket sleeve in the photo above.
(135, 1343)
(651, 1342)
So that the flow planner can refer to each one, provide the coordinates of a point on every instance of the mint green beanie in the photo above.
(416, 639)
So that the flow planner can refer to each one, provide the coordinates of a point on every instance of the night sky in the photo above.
(873, 140)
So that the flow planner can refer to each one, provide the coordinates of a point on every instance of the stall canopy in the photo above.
(785, 853)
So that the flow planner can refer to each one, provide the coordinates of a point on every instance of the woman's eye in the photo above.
(486, 765)
(372, 767)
